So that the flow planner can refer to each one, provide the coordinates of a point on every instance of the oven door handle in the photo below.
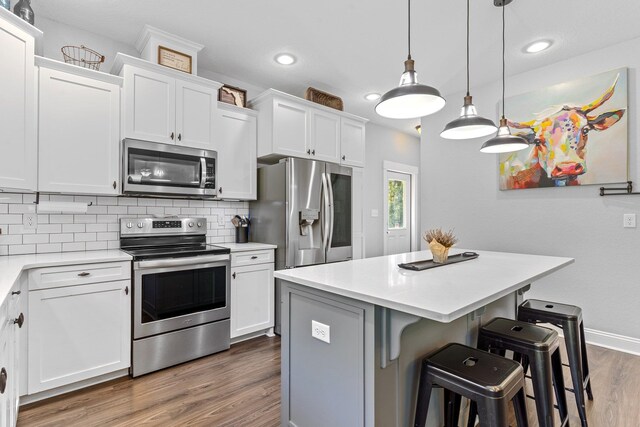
(176, 262)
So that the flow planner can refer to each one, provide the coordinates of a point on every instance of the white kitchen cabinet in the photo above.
(357, 204)
(79, 129)
(78, 331)
(324, 140)
(352, 140)
(289, 126)
(18, 120)
(236, 145)
(11, 324)
(165, 105)
(252, 293)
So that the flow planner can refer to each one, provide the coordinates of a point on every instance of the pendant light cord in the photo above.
(503, 50)
(467, 47)
(409, 27)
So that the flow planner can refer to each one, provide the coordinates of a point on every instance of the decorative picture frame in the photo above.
(233, 95)
(173, 59)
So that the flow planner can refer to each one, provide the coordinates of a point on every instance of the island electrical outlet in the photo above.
(321, 331)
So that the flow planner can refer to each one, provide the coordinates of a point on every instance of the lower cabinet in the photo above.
(252, 296)
(78, 332)
(11, 323)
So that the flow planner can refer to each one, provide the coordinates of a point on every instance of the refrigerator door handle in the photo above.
(325, 211)
(331, 213)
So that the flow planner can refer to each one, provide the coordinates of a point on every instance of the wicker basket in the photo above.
(323, 98)
(82, 57)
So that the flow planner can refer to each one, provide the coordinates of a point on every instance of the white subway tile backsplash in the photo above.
(99, 227)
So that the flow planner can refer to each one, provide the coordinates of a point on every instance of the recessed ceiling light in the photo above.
(372, 96)
(538, 46)
(285, 59)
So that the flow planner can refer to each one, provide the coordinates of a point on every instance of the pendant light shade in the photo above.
(410, 99)
(504, 141)
(469, 124)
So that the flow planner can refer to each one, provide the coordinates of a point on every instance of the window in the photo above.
(397, 204)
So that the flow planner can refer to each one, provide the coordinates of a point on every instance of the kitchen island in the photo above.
(353, 333)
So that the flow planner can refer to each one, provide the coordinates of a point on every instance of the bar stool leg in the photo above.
(473, 414)
(585, 362)
(424, 395)
(541, 378)
(493, 412)
(520, 408)
(558, 385)
(574, 346)
(452, 408)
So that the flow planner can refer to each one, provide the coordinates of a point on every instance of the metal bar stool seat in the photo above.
(569, 318)
(489, 380)
(537, 347)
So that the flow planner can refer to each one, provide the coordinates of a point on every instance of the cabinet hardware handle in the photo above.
(344, 157)
(3, 380)
(19, 321)
(115, 184)
(126, 290)
(220, 190)
(313, 152)
(254, 257)
(16, 292)
(171, 136)
(84, 274)
(233, 275)
(308, 150)
(179, 137)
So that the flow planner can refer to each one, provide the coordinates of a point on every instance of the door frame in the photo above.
(413, 171)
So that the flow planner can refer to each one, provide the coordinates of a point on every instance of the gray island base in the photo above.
(354, 333)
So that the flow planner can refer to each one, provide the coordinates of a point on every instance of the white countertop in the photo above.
(244, 247)
(13, 265)
(442, 294)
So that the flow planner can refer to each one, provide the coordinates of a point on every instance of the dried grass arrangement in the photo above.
(439, 243)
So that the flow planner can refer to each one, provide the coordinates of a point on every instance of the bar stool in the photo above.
(569, 318)
(535, 346)
(487, 379)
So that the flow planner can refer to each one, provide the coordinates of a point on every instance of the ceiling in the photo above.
(353, 47)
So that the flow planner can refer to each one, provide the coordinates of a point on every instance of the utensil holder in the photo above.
(242, 234)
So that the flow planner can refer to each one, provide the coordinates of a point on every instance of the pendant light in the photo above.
(469, 124)
(410, 99)
(503, 142)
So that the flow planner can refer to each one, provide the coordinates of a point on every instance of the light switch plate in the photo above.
(374, 213)
(629, 221)
(321, 331)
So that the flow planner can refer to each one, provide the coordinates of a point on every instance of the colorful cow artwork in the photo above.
(572, 143)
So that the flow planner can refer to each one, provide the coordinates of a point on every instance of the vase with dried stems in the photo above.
(439, 243)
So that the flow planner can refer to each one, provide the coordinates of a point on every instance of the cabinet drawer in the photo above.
(71, 275)
(251, 257)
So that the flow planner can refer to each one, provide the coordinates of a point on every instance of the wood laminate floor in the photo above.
(241, 387)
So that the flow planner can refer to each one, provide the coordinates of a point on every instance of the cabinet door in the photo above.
(149, 106)
(325, 136)
(79, 134)
(78, 332)
(290, 122)
(251, 299)
(18, 146)
(236, 136)
(195, 112)
(6, 364)
(352, 142)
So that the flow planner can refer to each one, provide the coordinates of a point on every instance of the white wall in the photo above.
(382, 144)
(460, 189)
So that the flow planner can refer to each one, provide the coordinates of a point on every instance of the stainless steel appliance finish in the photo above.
(181, 304)
(304, 207)
(150, 168)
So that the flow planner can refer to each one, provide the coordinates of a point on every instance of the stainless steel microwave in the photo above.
(167, 170)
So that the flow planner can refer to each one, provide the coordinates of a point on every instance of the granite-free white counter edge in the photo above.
(245, 247)
(12, 266)
(442, 294)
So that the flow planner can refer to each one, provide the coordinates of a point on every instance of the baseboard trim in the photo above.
(612, 341)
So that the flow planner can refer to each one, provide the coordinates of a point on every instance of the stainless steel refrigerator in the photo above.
(304, 207)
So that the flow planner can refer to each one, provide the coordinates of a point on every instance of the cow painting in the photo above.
(559, 142)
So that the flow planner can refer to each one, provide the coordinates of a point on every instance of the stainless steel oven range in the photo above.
(180, 291)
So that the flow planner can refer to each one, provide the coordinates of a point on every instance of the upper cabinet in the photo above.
(167, 106)
(18, 145)
(236, 134)
(293, 127)
(78, 128)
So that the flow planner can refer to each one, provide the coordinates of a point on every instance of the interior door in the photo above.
(398, 213)
(195, 112)
(305, 214)
(340, 239)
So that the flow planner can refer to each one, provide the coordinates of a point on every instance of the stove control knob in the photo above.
(140, 225)
(199, 224)
(129, 225)
(190, 224)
